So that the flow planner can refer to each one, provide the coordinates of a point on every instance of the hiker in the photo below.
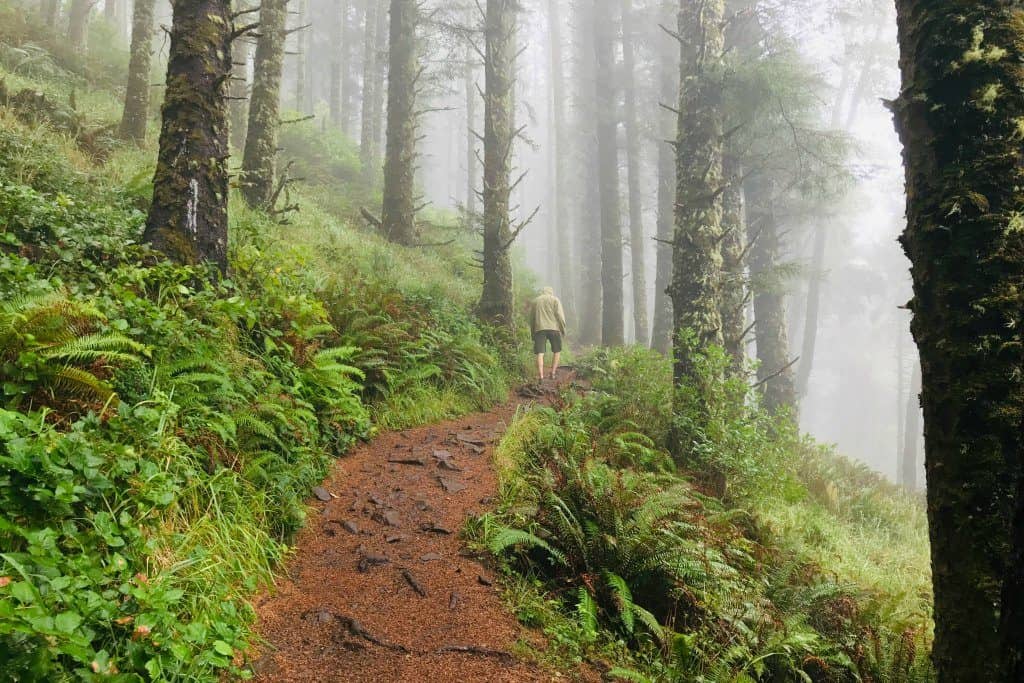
(547, 324)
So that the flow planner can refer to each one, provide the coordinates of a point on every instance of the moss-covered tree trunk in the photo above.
(188, 218)
(499, 131)
(668, 79)
(398, 216)
(774, 371)
(637, 241)
(734, 238)
(959, 117)
(259, 160)
(78, 23)
(696, 247)
(367, 148)
(238, 91)
(607, 115)
(136, 100)
(562, 227)
(588, 233)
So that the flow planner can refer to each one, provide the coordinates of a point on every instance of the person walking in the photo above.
(547, 324)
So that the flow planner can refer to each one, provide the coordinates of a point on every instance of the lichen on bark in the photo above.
(188, 216)
(959, 117)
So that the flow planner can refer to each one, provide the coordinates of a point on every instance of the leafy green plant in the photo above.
(48, 343)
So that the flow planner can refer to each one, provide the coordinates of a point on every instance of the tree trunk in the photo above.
(110, 12)
(911, 433)
(259, 160)
(471, 133)
(239, 90)
(958, 117)
(380, 91)
(136, 101)
(499, 78)
(637, 242)
(398, 217)
(734, 296)
(588, 230)
(348, 67)
(367, 150)
(301, 56)
(51, 12)
(811, 313)
(78, 23)
(339, 51)
(696, 253)
(774, 372)
(612, 322)
(562, 225)
(188, 218)
(668, 78)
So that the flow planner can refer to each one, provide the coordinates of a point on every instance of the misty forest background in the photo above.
(238, 238)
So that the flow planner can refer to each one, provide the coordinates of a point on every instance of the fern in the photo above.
(503, 538)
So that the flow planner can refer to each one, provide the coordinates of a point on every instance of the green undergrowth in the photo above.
(160, 429)
(760, 556)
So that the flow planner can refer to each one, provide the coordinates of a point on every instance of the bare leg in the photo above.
(554, 364)
(540, 365)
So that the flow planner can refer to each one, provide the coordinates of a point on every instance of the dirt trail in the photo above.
(380, 587)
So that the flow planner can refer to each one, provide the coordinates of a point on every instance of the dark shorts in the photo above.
(541, 338)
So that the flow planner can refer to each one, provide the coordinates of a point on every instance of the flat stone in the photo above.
(388, 517)
(451, 485)
(394, 538)
(350, 526)
(449, 466)
(454, 599)
(473, 440)
(430, 557)
(408, 461)
(434, 527)
(321, 493)
(483, 580)
(371, 560)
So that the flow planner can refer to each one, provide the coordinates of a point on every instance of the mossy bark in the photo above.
(188, 218)
(238, 105)
(960, 116)
(259, 160)
(301, 56)
(734, 238)
(637, 241)
(696, 247)
(398, 216)
(499, 138)
(607, 114)
(136, 100)
(668, 78)
(774, 371)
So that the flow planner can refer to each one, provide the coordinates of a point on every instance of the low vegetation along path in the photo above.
(381, 588)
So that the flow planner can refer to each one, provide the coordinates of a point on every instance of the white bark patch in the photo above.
(192, 208)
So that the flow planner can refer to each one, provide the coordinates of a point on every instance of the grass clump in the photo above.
(712, 568)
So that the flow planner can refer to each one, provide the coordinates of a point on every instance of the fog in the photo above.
(864, 357)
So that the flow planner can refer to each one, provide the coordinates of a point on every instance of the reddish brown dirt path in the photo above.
(380, 587)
